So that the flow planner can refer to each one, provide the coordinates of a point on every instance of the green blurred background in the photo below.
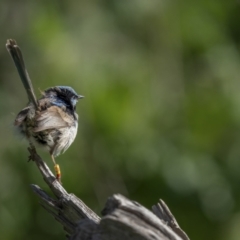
(160, 118)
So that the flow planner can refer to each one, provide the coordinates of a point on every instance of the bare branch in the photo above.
(122, 218)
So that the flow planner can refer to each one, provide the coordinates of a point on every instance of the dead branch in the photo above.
(122, 218)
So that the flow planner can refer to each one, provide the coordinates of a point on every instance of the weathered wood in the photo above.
(66, 208)
(164, 213)
(122, 218)
(125, 219)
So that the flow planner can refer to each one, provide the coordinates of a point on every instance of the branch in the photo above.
(122, 218)
(66, 208)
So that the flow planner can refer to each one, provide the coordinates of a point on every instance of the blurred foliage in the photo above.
(160, 118)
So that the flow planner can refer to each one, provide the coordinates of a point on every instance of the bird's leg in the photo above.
(57, 169)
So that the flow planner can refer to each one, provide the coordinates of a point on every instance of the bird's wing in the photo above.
(21, 116)
(53, 117)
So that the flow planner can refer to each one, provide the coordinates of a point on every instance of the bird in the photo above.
(50, 121)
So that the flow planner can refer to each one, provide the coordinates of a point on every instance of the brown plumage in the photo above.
(52, 120)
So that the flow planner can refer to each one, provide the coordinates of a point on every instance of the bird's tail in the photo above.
(17, 57)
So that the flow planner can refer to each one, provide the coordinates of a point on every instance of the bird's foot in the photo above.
(58, 172)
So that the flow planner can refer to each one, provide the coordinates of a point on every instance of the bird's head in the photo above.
(63, 94)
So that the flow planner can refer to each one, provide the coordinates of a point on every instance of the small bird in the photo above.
(51, 121)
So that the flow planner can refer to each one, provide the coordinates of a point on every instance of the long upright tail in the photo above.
(17, 57)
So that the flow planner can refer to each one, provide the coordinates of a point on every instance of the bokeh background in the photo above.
(160, 118)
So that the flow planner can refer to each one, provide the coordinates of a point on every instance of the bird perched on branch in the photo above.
(51, 121)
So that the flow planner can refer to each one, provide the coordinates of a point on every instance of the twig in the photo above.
(164, 213)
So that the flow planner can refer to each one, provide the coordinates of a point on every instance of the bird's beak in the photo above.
(80, 96)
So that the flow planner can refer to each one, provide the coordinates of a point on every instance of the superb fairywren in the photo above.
(50, 121)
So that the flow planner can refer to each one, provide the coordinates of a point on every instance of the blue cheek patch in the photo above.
(60, 103)
(74, 102)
